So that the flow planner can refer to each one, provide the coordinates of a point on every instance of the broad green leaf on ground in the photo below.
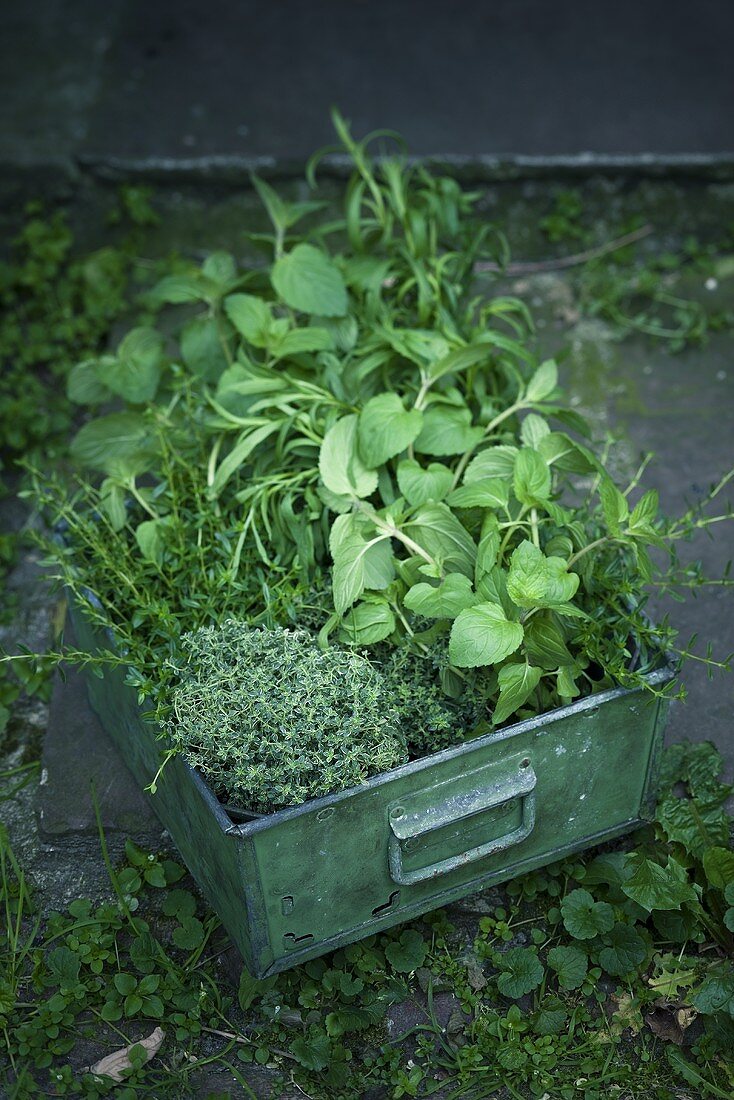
(386, 428)
(585, 918)
(308, 280)
(624, 950)
(543, 382)
(111, 441)
(362, 559)
(251, 317)
(517, 683)
(656, 887)
(537, 581)
(435, 528)
(408, 952)
(705, 824)
(447, 430)
(551, 1016)
(482, 635)
(367, 623)
(423, 485)
(521, 972)
(444, 601)
(341, 468)
(486, 492)
(496, 461)
(571, 965)
(716, 992)
(531, 477)
(313, 1052)
(718, 863)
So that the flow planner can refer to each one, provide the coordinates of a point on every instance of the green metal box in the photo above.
(292, 885)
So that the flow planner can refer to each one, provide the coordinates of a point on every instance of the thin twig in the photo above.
(529, 268)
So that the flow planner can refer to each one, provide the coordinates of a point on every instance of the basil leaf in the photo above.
(517, 683)
(453, 595)
(482, 635)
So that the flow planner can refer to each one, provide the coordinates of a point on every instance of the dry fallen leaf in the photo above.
(115, 1065)
(669, 1020)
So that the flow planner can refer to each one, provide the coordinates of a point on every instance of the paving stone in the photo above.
(79, 758)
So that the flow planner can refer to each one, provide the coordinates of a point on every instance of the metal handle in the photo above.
(408, 827)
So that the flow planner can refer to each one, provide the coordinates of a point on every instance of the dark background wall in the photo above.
(192, 79)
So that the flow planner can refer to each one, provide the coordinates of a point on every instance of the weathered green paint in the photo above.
(292, 885)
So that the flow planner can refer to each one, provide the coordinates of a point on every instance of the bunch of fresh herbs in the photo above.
(349, 438)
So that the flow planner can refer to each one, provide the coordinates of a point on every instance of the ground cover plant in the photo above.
(605, 974)
(350, 439)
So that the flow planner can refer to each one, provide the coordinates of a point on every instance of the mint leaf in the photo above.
(496, 461)
(531, 477)
(362, 559)
(440, 533)
(367, 623)
(485, 492)
(109, 441)
(543, 382)
(386, 429)
(536, 581)
(307, 279)
(135, 371)
(341, 468)
(251, 317)
(446, 601)
(571, 965)
(517, 683)
(421, 485)
(447, 430)
(545, 642)
(585, 918)
(521, 972)
(483, 635)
